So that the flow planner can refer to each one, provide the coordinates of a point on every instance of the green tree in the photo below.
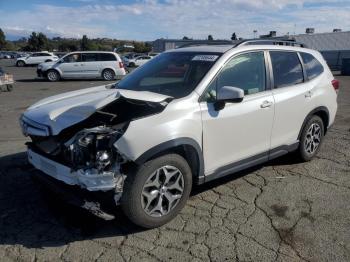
(43, 43)
(37, 42)
(84, 43)
(2, 40)
(210, 38)
(234, 36)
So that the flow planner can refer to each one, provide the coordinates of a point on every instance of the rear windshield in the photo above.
(174, 74)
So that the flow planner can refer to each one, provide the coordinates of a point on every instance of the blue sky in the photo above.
(151, 19)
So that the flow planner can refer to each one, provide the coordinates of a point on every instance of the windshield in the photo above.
(173, 74)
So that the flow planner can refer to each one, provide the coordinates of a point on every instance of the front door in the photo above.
(71, 66)
(240, 130)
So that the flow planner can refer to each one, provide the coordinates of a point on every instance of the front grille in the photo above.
(30, 127)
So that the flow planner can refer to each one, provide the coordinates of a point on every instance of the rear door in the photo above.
(292, 95)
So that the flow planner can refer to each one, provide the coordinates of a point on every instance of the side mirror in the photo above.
(228, 94)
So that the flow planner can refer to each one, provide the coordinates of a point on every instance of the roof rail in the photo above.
(202, 44)
(285, 42)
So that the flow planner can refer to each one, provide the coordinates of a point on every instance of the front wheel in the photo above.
(311, 138)
(52, 76)
(157, 191)
(20, 63)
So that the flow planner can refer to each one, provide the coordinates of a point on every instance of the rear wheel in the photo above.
(20, 63)
(52, 75)
(108, 74)
(157, 192)
(48, 60)
(311, 138)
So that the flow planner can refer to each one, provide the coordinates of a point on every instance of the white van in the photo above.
(89, 64)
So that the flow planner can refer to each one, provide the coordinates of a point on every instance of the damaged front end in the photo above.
(84, 154)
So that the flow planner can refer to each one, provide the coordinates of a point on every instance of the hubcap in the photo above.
(313, 138)
(108, 75)
(162, 191)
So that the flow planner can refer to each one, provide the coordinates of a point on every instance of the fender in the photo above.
(317, 109)
(175, 143)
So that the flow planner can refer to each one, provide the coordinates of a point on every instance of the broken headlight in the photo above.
(93, 149)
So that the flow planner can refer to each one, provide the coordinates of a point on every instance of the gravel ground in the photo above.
(280, 211)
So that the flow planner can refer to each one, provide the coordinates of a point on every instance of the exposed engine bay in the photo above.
(84, 153)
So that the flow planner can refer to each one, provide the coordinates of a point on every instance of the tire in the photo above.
(311, 138)
(53, 76)
(9, 88)
(143, 183)
(132, 64)
(48, 60)
(108, 74)
(20, 63)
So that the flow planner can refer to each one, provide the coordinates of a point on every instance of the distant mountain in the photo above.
(11, 37)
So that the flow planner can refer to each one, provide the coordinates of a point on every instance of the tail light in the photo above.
(121, 65)
(335, 84)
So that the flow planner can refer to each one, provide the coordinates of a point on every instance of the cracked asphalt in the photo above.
(280, 211)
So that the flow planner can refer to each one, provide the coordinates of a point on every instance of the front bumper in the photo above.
(97, 203)
(92, 182)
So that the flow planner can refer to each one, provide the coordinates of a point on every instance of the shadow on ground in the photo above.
(35, 219)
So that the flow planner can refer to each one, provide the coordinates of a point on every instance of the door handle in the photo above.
(266, 104)
(76, 65)
(308, 94)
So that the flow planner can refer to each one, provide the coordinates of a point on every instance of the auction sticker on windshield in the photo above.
(208, 58)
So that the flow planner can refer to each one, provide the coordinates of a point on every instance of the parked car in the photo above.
(139, 61)
(36, 58)
(188, 116)
(5, 55)
(89, 64)
(125, 61)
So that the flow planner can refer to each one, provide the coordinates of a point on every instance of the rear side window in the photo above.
(107, 57)
(89, 57)
(287, 69)
(312, 66)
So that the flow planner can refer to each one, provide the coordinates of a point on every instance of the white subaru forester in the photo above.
(188, 116)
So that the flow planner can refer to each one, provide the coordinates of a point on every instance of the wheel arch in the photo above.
(53, 69)
(320, 111)
(108, 68)
(188, 148)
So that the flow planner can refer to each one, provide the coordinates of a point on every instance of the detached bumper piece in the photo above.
(39, 73)
(96, 203)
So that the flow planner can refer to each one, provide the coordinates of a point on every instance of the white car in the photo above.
(36, 58)
(187, 117)
(87, 64)
(139, 61)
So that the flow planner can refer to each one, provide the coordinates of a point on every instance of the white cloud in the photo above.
(149, 19)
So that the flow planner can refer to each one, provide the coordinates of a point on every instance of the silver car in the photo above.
(106, 65)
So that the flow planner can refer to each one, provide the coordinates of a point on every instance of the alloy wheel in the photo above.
(313, 138)
(52, 76)
(162, 191)
(108, 75)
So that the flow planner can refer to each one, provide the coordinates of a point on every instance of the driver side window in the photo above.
(73, 58)
(245, 71)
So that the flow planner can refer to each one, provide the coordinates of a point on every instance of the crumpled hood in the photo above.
(61, 111)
